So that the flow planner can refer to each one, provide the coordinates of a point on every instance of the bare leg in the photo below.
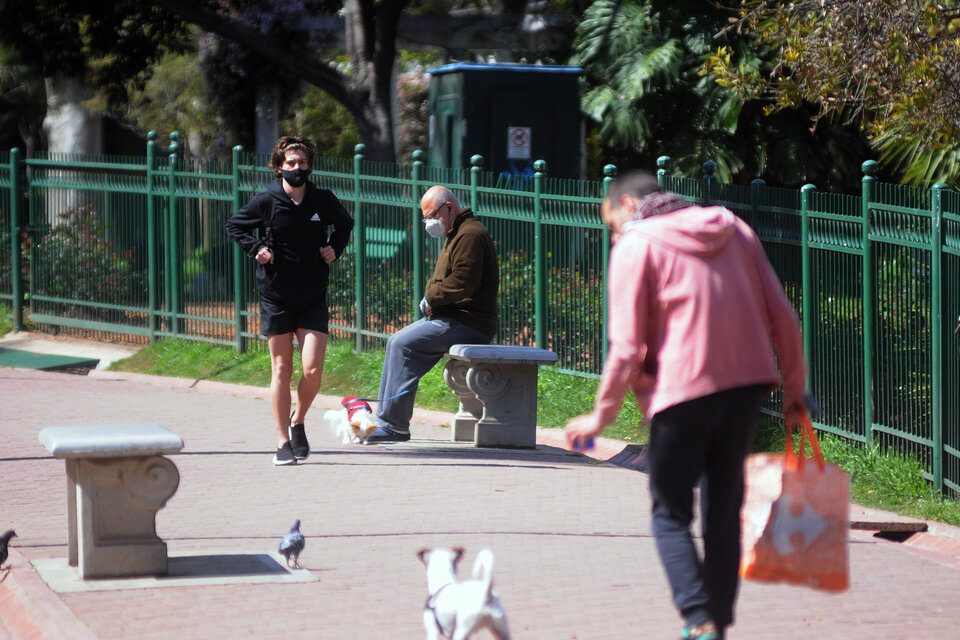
(281, 371)
(313, 350)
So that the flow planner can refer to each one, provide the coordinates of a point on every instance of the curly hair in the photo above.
(288, 143)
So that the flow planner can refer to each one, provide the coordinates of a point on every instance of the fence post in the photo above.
(16, 263)
(663, 171)
(239, 297)
(936, 330)
(709, 168)
(153, 267)
(360, 255)
(755, 187)
(476, 168)
(868, 186)
(609, 175)
(417, 233)
(540, 169)
(173, 238)
(806, 279)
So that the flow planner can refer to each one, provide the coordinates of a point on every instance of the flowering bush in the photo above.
(75, 261)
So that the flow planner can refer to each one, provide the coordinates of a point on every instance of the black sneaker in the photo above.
(298, 441)
(284, 455)
(382, 434)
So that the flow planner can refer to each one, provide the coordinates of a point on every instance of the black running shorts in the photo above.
(277, 319)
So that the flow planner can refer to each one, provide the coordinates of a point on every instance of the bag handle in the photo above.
(796, 459)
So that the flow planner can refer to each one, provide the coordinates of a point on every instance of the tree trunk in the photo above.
(371, 36)
(69, 127)
(371, 30)
(268, 118)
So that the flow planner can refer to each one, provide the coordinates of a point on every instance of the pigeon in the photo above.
(4, 541)
(292, 544)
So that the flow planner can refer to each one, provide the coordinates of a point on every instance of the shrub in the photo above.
(76, 261)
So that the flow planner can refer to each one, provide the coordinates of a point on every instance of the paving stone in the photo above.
(574, 555)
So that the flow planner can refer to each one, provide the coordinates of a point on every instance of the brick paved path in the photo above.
(571, 537)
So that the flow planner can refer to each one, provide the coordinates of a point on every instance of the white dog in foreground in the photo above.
(354, 422)
(456, 609)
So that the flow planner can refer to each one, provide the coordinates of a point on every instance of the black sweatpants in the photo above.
(706, 438)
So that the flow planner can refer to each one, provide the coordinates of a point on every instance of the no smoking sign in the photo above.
(518, 143)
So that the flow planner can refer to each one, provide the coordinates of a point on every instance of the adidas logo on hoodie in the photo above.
(315, 218)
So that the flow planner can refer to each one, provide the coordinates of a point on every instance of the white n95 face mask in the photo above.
(435, 228)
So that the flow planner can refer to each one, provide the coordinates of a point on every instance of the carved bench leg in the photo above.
(509, 397)
(117, 504)
(464, 424)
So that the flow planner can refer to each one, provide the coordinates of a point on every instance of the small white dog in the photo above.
(354, 422)
(458, 609)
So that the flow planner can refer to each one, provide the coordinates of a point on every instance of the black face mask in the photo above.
(296, 178)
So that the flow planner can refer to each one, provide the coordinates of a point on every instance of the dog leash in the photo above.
(404, 392)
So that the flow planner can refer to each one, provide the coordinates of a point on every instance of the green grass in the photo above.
(6, 323)
(879, 479)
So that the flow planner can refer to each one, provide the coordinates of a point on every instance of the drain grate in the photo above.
(77, 370)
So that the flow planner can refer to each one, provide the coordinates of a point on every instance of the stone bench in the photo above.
(497, 386)
(117, 480)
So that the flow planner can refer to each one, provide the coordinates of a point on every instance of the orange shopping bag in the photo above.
(795, 518)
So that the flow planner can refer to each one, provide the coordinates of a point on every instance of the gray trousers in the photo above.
(411, 353)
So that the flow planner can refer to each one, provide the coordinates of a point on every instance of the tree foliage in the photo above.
(21, 104)
(270, 31)
(890, 66)
(173, 98)
(109, 44)
(648, 95)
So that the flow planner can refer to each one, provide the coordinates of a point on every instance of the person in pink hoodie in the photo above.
(698, 319)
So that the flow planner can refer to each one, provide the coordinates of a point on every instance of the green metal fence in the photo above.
(875, 279)
(135, 249)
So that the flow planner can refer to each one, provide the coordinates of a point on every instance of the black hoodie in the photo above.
(294, 233)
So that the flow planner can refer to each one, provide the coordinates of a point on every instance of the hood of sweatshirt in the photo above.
(693, 230)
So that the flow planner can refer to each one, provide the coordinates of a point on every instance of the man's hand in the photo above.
(581, 430)
(794, 407)
(328, 254)
(264, 255)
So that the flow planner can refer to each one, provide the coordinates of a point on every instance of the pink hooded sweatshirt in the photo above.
(695, 308)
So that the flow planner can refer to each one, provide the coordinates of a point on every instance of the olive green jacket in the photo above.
(466, 280)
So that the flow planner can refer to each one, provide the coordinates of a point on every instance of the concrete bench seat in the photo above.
(497, 387)
(117, 480)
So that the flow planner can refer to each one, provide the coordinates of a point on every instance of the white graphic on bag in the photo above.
(808, 523)
(760, 516)
(315, 218)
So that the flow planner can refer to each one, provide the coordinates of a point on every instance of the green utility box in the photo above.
(511, 114)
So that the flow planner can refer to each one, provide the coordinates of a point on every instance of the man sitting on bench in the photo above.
(459, 305)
